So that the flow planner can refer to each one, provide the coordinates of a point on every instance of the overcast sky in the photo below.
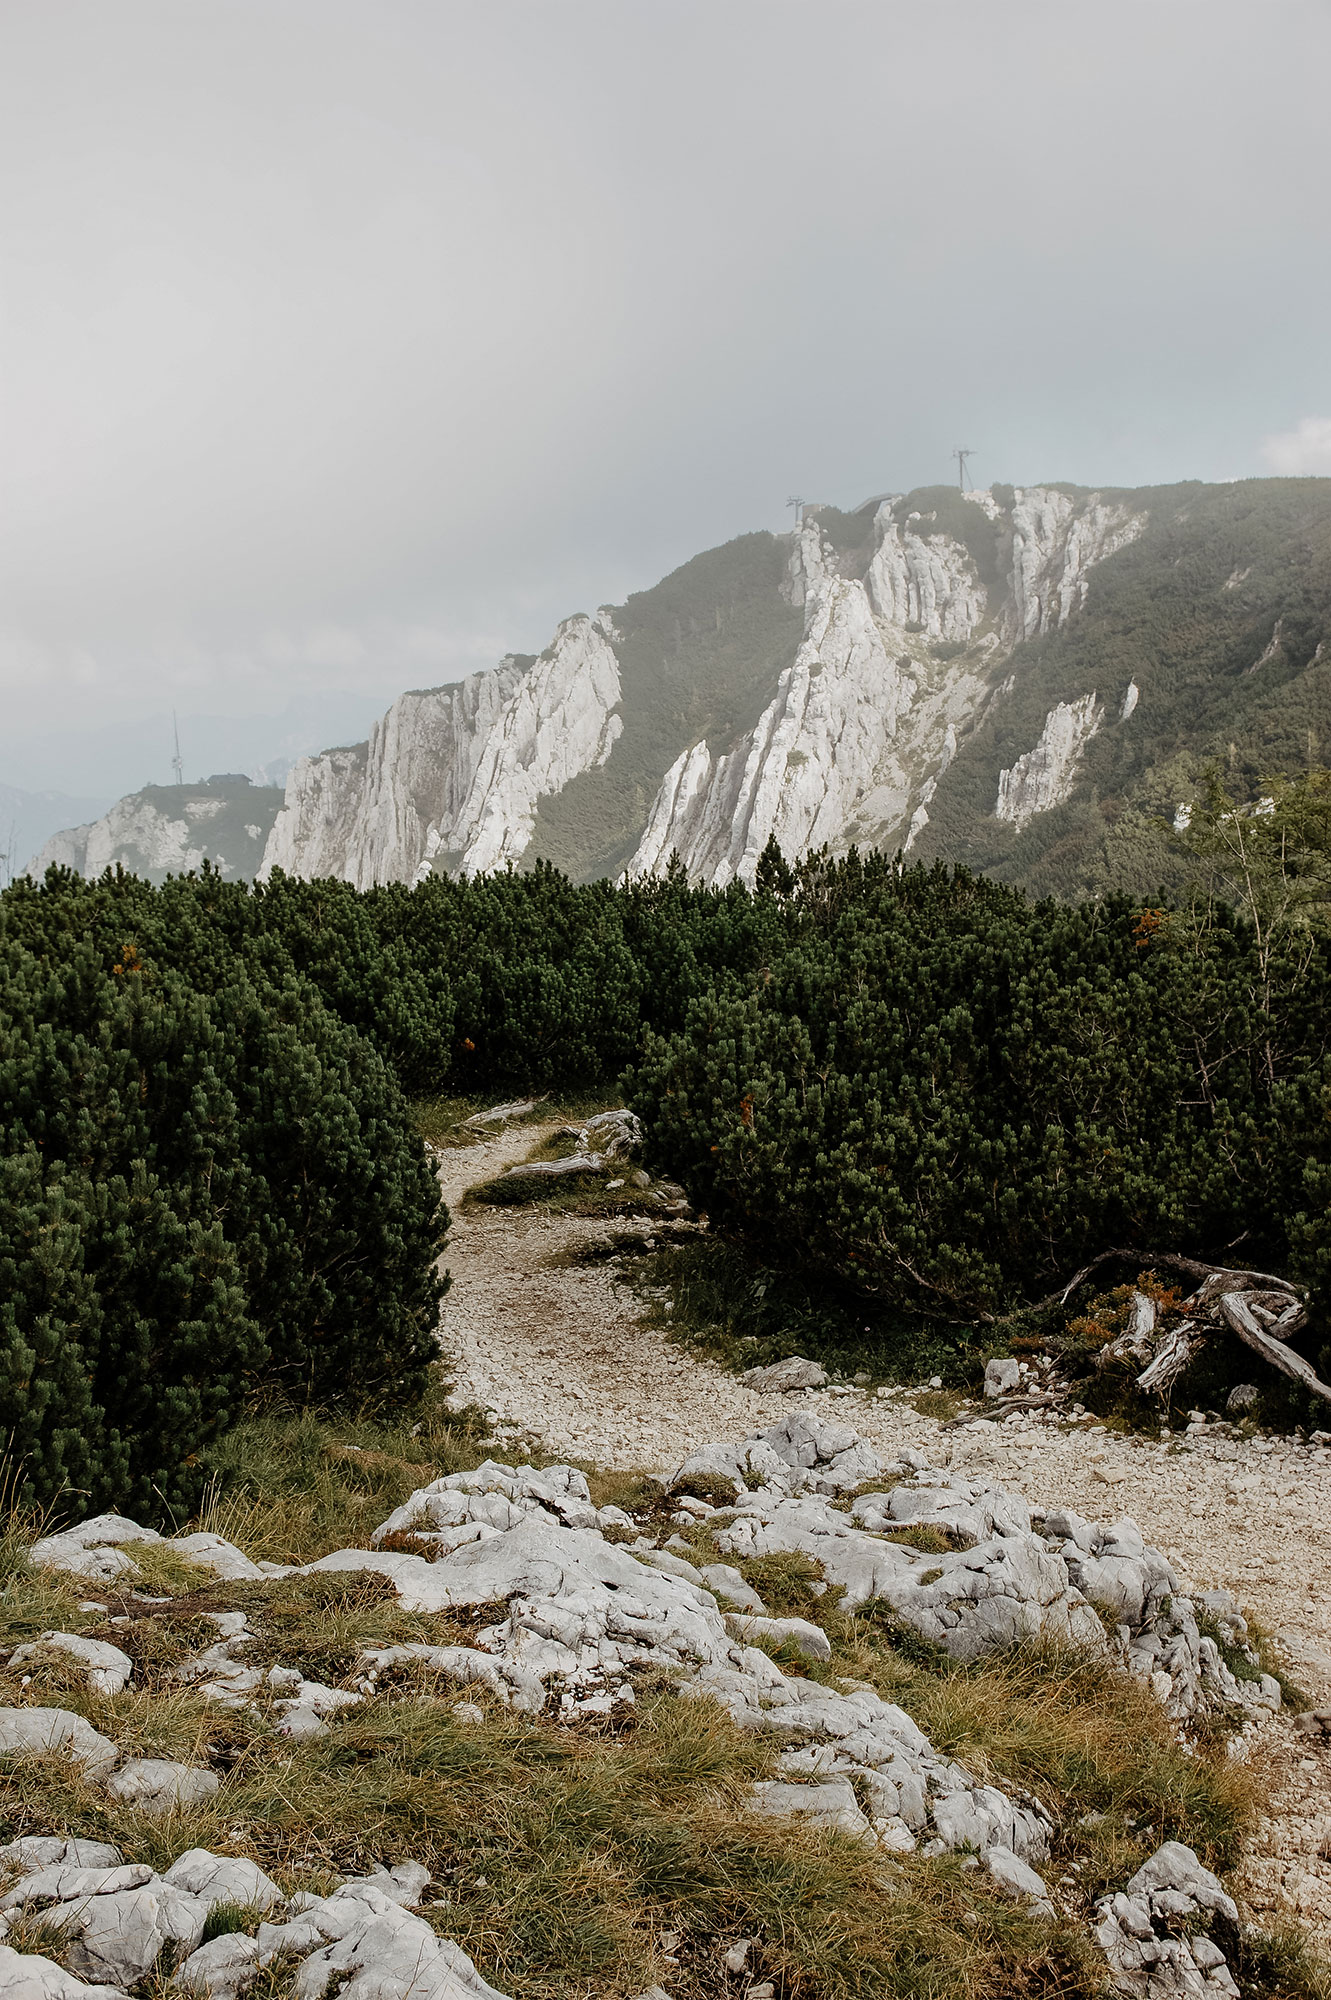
(347, 344)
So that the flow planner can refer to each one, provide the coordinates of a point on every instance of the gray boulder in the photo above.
(224, 1559)
(731, 1588)
(159, 1786)
(372, 1949)
(1154, 1933)
(1015, 1877)
(28, 1976)
(54, 1732)
(116, 1935)
(830, 1804)
(1001, 1377)
(405, 1883)
(792, 1373)
(93, 1548)
(36, 1850)
(464, 1507)
(832, 1458)
(66, 1883)
(223, 1878)
(108, 1669)
(222, 1969)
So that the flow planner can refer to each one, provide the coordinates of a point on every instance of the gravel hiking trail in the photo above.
(558, 1351)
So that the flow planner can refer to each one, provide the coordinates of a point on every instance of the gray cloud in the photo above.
(348, 343)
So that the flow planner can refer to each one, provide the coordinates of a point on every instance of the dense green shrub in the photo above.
(202, 1186)
(947, 1093)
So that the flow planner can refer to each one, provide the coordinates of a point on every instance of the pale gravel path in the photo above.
(560, 1352)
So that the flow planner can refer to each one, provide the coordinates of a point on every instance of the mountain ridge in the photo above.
(1022, 679)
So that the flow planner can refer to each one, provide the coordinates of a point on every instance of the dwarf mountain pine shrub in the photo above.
(202, 1188)
(947, 1094)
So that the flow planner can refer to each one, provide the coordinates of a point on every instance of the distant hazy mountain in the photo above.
(27, 819)
(172, 829)
(1021, 679)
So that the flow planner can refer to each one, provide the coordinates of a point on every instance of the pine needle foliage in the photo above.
(207, 1182)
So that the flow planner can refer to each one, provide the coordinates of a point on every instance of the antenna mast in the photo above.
(961, 457)
(176, 764)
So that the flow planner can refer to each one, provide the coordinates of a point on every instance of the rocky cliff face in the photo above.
(1021, 680)
(895, 666)
(380, 811)
(451, 779)
(1043, 777)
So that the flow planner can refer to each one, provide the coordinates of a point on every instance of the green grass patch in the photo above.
(560, 1857)
(290, 1487)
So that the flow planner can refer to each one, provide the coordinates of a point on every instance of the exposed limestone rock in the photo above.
(371, 1948)
(125, 1922)
(867, 719)
(223, 1878)
(29, 1976)
(117, 1934)
(169, 830)
(158, 1785)
(832, 1803)
(802, 774)
(792, 1373)
(1056, 542)
(222, 1969)
(452, 777)
(559, 722)
(1043, 777)
(929, 582)
(108, 1669)
(54, 1732)
(380, 812)
(312, 835)
(894, 668)
(93, 1548)
(1154, 1934)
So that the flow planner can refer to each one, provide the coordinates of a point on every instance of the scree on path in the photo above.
(558, 1352)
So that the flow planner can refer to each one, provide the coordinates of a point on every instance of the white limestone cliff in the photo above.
(930, 582)
(378, 812)
(1043, 777)
(452, 777)
(892, 671)
(1056, 542)
(561, 720)
(311, 835)
(895, 667)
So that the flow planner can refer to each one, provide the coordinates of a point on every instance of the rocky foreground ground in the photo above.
(577, 1603)
(561, 1353)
